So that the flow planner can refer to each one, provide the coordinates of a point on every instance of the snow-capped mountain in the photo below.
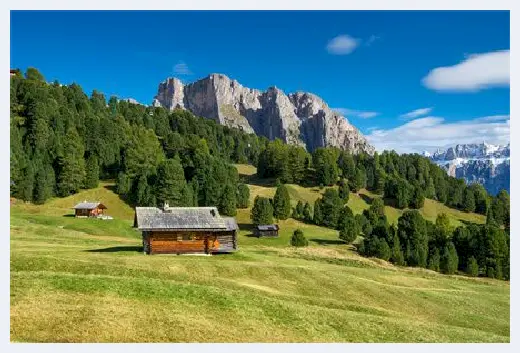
(483, 163)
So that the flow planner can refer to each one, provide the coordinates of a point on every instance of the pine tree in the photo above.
(72, 165)
(92, 172)
(435, 261)
(307, 213)
(298, 210)
(397, 253)
(45, 183)
(298, 239)
(468, 204)
(282, 203)
(26, 186)
(449, 259)
(344, 191)
(170, 183)
(383, 250)
(318, 214)
(349, 230)
(472, 268)
(243, 196)
(262, 212)
(228, 201)
(331, 206)
(123, 184)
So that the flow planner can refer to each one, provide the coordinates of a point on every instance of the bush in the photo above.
(298, 239)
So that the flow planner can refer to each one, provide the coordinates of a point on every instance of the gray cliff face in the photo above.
(300, 118)
(484, 164)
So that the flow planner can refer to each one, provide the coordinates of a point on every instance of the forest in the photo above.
(62, 141)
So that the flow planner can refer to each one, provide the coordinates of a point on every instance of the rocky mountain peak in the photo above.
(299, 118)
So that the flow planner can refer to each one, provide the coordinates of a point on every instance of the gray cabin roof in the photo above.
(267, 227)
(88, 205)
(183, 218)
(231, 223)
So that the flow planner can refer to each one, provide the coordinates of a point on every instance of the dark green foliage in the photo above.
(359, 181)
(417, 199)
(383, 250)
(344, 190)
(298, 239)
(481, 198)
(71, 173)
(243, 196)
(123, 184)
(228, 201)
(318, 213)
(262, 212)
(434, 261)
(468, 203)
(325, 164)
(347, 225)
(449, 259)
(307, 213)
(281, 203)
(331, 206)
(45, 183)
(472, 267)
(298, 210)
(397, 253)
(412, 232)
(92, 172)
(170, 183)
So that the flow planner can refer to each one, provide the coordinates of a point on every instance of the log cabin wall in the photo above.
(188, 242)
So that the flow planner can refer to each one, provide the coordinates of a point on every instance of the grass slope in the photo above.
(85, 280)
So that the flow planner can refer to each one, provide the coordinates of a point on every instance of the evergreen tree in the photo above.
(298, 239)
(344, 191)
(282, 203)
(472, 268)
(262, 212)
(123, 184)
(228, 201)
(449, 259)
(468, 203)
(92, 172)
(26, 185)
(298, 211)
(383, 250)
(349, 230)
(45, 182)
(412, 232)
(417, 200)
(434, 262)
(359, 181)
(397, 253)
(318, 213)
(307, 213)
(72, 165)
(170, 183)
(331, 206)
(243, 196)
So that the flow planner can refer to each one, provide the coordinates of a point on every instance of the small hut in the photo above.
(266, 230)
(181, 230)
(89, 209)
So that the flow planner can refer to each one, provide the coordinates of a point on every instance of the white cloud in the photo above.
(357, 113)
(342, 45)
(181, 68)
(430, 133)
(416, 113)
(478, 71)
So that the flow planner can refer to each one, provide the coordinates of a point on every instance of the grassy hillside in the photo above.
(85, 280)
(357, 202)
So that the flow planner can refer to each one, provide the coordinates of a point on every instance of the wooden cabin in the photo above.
(267, 230)
(89, 209)
(184, 230)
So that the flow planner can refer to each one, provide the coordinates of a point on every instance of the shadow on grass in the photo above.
(69, 215)
(366, 198)
(246, 226)
(113, 188)
(328, 241)
(118, 249)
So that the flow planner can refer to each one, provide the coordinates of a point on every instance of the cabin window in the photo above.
(187, 236)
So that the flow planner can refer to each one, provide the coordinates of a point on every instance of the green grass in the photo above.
(85, 280)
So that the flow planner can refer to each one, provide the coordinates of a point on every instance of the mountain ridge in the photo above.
(298, 118)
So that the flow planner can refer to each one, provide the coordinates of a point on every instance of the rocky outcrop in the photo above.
(299, 118)
(483, 163)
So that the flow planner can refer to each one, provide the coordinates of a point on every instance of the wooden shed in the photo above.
(89, 209)
(267, 230)
(182, 230)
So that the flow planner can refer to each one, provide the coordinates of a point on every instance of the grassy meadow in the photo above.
(86, 280)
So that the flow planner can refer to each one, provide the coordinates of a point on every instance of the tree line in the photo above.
(63, 141)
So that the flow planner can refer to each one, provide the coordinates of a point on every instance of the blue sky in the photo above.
(408, 80)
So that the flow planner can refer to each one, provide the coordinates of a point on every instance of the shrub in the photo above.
(298, 239)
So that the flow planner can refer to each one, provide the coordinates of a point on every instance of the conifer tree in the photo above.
(262, 211)
(282, 203)
(243, 196)
(344, 191)
(92, 172)
(307, 213)
(472, 268)
(228, 201)
(170, 183)
(449, 259)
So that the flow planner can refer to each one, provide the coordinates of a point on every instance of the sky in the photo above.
(409, 80)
